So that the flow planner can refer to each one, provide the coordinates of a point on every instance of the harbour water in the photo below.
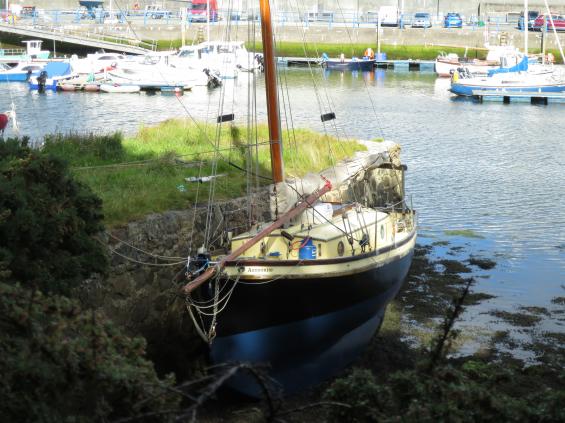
(492, 170)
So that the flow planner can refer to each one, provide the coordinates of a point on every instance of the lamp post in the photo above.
(526, 25)
(357, 15)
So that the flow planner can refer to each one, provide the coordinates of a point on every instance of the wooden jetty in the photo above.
(519, 96)
(396, 65)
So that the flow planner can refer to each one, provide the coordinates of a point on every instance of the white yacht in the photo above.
(227, 57)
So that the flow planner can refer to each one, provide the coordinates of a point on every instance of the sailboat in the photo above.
(524, 77)
(305, 292)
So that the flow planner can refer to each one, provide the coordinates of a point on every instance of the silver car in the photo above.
(421, 20)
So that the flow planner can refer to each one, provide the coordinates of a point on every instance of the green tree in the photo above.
(47, 221)
(472, 391)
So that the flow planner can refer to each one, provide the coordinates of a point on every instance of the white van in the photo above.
(389, 15)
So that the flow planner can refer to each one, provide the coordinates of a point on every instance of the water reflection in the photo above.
(374, 78)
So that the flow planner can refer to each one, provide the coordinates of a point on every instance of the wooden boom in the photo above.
(192, 285)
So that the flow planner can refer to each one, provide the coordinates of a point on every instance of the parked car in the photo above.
(558, 23)
(421, 20)
(453, 20)
(532, 15)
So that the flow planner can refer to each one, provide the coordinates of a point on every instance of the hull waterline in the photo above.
(470, 89)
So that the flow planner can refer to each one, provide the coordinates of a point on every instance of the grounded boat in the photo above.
(306, 291)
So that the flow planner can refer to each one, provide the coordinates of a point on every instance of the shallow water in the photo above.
(494, 169)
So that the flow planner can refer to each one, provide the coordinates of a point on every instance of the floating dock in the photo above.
(519, 97)
(397, 65)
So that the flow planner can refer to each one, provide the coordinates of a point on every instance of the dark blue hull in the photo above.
(49, 85)
(14, 77)
(351, 65)
(307, 330)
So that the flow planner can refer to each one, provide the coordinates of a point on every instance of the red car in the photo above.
(558, 23)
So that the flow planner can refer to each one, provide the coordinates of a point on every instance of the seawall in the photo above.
(148, 258)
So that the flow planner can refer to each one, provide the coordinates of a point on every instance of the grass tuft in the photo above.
(146, 173)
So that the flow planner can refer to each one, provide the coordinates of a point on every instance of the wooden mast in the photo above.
(277, 166)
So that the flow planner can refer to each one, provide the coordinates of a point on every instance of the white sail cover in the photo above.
(285, 195)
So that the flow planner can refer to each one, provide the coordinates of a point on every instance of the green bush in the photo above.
(47, 221)
(472, 392)
(60, 363)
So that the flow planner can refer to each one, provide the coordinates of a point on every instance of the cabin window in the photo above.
(382, 231)
(340, 248)
(319, 250)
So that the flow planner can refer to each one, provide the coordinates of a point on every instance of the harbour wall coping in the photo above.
(340, 35)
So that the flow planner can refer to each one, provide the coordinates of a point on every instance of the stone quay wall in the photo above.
(141, 292)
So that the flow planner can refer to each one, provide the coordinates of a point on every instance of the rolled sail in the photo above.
(373, 178)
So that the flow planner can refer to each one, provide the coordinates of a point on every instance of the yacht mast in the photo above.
(277, 167)
(208, 20)
(526, 29)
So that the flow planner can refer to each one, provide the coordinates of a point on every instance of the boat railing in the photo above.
(402, 216)
(12, 51)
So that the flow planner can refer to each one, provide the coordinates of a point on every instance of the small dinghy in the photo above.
(92, 87)
(172, 90)
(120, 88)
(68, 87)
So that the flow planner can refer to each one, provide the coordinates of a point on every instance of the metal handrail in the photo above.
(99, 36)
(96, 35)
(12, 51)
